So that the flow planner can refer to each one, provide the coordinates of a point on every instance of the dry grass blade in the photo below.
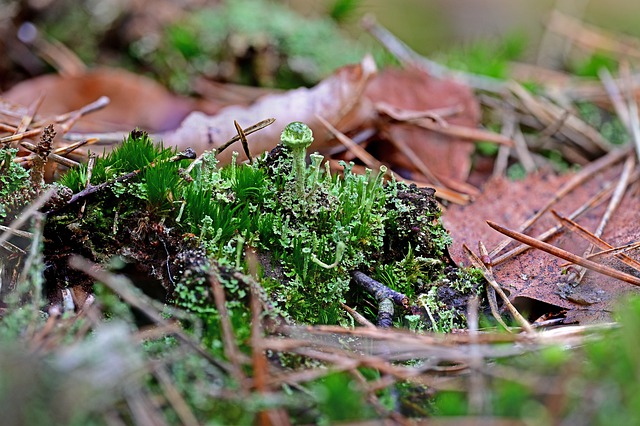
(251, 129)
(614, 251)
(243, 140)
(576, 130)
(563, 254)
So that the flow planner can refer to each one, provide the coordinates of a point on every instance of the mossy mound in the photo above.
(174, 226)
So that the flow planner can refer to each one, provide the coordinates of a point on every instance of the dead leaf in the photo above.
(337, 98)
(136, 101)
(534, 276)
(413, 89)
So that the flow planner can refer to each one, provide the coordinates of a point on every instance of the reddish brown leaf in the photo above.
(337, 98)
(136, 101)
(413, 89)
(535, 275)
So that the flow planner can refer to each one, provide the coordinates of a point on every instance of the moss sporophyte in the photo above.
(309, 228)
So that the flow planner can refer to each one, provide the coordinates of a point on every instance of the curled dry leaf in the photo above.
(136, 101)
(535, 276)
(337, 98)
(413, 89)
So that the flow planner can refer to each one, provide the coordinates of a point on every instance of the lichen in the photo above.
(307, 243)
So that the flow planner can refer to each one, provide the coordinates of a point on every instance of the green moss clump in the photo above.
(15, 185)
(235, 42)
(311, 230)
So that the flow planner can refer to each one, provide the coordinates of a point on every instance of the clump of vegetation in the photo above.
(234, 42)
(15, 188)
(311, 229)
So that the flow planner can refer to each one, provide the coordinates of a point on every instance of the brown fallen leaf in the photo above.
(414, 89)
(337, 98)
(136, 101)
(533, 276)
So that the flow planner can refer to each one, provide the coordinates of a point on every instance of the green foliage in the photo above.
(15, 184)
(158, 182)
(607, 124)
(593, 64)
(487, 57)
(316, 227)
(343, 10)
(339, 400)
(247, 36)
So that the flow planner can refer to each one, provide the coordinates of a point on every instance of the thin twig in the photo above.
(231, 349)
(491, 291)
(176, 400)
(593, 239)
(619, 191)
(563, 254)
(357, 316)
(488, 275)
(125, 289)
(578, 179)
(407, 56)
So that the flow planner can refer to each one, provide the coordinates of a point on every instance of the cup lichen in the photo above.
(297, 137)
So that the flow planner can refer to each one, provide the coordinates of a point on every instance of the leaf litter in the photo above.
(536, 283)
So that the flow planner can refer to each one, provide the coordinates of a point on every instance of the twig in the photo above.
(125, 289)
(614, 202)
(508, 129)
(28, 118)
(593, 38)
(368, 159)
(407, 56)
(379, 290)
(488, 275)
(522, 151)
(563, 254)
(176, 400)
(231, 349)
(439, 125)
(357, 316)
(586, 173)
(594, 239)
(478, 396)
(491, 291)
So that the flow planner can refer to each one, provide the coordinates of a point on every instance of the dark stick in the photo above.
(379, 290)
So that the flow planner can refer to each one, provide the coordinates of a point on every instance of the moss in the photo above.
(16, 190)
(234, 42)
(308, 244)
